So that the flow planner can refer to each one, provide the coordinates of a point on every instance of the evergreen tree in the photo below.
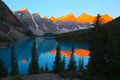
(104, 61)
(46, 68)
(57, 62)
(81, 64)
(63, 64)
(3, 71)
(96, 66)
(113, 59)
(33, 66)
(42, 70)
(72, 62)
(14, 63)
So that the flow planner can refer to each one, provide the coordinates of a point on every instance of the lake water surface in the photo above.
(46, 48)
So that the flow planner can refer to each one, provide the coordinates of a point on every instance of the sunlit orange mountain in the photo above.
(79, 52)
(23, 10)
(106, 18)
(83, 18)
(68, 17)
(54, 19)
(36, 14)
(64, 18)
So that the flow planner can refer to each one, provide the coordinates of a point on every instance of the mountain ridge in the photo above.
(111, 28)
(33, 23)
(83, 18)
(44, 25)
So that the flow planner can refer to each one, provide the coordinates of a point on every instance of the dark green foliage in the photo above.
(42, 70)
(33, 66)
(104, 59)
(97, 58)
(72, 63)
(3, 71)
(75, 36)
(113, 50)
(14, 63)
(113, 60)
(80, 65)
(63, 64)
(57, 62)
(46, 68)
(98, 21)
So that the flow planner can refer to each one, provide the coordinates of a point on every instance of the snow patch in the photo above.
(34, 22)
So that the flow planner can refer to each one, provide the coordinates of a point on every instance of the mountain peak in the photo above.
(106, 18)
(85, 14)
(85, 18)
(89, 18)
(69, 16)
(45, 17)
(36, 14)
(54, 19)
(23, 10)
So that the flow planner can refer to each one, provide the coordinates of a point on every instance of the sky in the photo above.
(59, 8)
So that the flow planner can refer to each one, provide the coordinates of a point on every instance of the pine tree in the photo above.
(46, 68)
(72, 62)
(81, 64)
(96, 66)
(113, 59)
(104, 61)
(14, 63)
(42, 70)
(3, 71)
(33, 66)
(63, 64)
(57, 62)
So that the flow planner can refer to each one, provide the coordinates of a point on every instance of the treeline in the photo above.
(104, 62)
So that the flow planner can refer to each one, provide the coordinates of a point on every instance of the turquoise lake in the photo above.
(46, 47)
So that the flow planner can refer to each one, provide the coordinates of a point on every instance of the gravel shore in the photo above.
(45, 76)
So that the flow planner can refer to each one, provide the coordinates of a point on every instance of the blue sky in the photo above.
(59, 8)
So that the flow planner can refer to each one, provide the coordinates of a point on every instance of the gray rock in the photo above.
(10, 27)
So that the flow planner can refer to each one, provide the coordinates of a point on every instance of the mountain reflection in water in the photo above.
(79, 52)
(46, 48)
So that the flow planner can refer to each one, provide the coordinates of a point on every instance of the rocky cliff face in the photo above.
(29, 24)
(46, 25)
(67, 26)
(34, 24)
(39, 26)
(10, 27)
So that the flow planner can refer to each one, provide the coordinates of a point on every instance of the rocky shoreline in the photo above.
(45, 76)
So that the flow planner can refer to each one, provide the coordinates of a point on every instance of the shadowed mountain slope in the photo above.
(10, 27)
